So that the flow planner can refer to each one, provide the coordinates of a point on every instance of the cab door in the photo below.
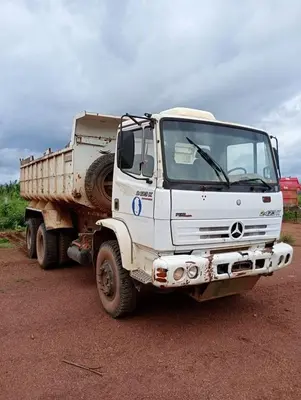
(134, 188)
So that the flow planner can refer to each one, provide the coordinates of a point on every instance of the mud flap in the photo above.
(223, 288)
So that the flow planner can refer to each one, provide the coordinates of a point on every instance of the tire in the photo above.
(47, 247)
(31, 235)
(64, 241)
(97, 186)
(117, 294)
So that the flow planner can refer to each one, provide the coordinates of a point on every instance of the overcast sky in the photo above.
(240, 60)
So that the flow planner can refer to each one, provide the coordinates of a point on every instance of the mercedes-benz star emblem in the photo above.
(237, 230)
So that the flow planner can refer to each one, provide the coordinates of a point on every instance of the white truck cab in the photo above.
(195, 206)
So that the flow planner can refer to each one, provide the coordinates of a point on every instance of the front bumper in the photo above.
(217, 267)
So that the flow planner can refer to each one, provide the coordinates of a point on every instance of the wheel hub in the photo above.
(106, 280)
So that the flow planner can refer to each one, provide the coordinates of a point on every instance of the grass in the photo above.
(5, 244)
(12, 207)
(293, 215)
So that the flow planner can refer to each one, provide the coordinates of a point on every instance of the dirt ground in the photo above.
(245, 347)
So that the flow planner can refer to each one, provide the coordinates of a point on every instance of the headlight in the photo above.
(192, 272)
(178, 274)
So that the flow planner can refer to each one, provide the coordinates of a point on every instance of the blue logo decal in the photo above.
(136, 206)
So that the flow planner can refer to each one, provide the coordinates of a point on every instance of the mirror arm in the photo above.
(145, 117)
(277, 154)
(147, 180)
(133, 119)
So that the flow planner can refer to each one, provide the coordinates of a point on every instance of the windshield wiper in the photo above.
(213, 164)
(252, 180)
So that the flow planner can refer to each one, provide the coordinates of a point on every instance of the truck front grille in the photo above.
(223, 232)
(218, 232)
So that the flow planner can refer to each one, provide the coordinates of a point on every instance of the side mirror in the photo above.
(126, 150)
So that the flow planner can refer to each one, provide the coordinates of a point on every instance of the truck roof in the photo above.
(192, 113)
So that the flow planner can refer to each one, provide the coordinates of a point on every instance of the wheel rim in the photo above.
(106, 281)
(104, 183)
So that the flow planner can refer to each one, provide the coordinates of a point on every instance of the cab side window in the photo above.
(144, 153)
(149, 157)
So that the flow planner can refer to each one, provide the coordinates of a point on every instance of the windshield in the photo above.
(235, 154)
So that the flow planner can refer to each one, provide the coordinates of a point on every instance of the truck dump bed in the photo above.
(60, 176)
(290, 188)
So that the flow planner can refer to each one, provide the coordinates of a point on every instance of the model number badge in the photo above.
(270, 213)
(145, 195)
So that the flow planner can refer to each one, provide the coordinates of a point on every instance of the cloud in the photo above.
(58, 57)
(285, 122)
(10, 161)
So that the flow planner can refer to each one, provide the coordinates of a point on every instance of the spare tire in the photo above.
(98, 182)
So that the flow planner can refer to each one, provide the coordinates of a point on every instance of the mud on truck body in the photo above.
(173, 201)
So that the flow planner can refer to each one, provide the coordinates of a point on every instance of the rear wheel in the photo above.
(64, 241)
(31, 235)
(47, 247)
(115, 287)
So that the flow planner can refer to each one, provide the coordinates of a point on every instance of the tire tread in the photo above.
(51, 248)
(127, 302)
(64, 241)
(33, 225)
(94, 172)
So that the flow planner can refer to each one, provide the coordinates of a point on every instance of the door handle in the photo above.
(116, 204)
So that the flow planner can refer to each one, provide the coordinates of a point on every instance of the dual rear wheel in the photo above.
(49, 247)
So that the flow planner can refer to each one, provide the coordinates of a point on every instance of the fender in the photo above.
(54, 216)
(123, 237)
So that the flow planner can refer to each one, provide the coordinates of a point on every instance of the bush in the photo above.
(292, 215)
(5, 243)
(287, 238)
(12, 207)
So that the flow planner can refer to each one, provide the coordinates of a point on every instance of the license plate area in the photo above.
(223, 288)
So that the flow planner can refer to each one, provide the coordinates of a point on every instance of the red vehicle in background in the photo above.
(290, 188)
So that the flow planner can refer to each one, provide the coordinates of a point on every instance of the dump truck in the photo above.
(172, 201)
(290, 187)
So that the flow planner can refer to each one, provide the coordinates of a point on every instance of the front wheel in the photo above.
(115, 287)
